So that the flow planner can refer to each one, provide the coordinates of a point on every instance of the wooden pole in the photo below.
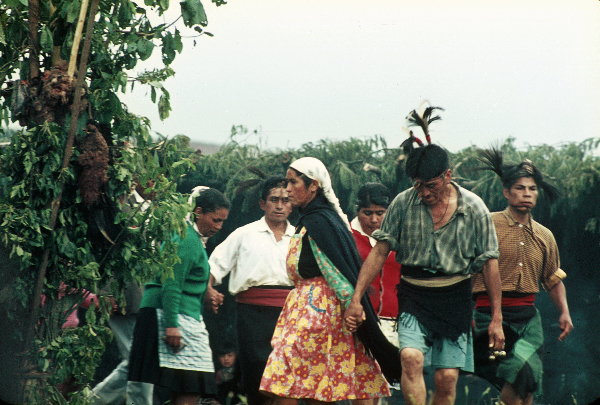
(34, 48)
(77, 38)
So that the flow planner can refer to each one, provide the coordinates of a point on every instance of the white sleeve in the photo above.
(225, 256)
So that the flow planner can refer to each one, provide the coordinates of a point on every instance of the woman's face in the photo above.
(298, 193)
(370, 218)
(211, 222)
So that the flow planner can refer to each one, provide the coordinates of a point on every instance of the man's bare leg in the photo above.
(412, 381)
(445, 386)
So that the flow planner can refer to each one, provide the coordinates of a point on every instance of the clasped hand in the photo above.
(213, 298)
(354, 316)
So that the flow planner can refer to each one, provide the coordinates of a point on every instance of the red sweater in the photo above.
(383, 292)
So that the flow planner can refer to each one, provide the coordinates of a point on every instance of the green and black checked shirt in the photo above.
(461, 246)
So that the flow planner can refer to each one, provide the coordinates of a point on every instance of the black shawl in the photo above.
(335, 240)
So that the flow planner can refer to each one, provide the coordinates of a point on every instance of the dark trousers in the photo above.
(255, 327)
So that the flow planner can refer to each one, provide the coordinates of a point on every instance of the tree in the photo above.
(66, 224)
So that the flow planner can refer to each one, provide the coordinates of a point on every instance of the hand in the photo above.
(565, 325)
(496, 335)
(213, 298)
(173, 338)
(354, 316)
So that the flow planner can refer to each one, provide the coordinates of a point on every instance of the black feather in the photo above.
(492, 158)
(414, 119)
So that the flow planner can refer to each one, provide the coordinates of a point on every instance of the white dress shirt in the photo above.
(253, 257)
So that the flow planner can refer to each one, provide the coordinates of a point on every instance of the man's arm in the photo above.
(212, 296)
(493, 286)
(222, 261)
(354, 314)
(558, 293)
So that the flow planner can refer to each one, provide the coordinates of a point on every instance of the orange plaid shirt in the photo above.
(528, 256)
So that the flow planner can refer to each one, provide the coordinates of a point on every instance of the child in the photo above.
(228, 377)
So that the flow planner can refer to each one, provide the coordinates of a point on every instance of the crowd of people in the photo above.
(330, 310)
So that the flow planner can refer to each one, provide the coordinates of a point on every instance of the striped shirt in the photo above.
(460, 247)
(528, 256)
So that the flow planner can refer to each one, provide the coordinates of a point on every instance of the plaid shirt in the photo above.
(461, 246)
(528, 256)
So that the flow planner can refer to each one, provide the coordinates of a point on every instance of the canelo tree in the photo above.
(67, 222)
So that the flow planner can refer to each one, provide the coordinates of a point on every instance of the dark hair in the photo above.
(225, 348)
(509, 174)
(373, 193)
(271, 183)
(211, 200)
(427, 162)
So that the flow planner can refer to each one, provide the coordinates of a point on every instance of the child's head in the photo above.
(227, 358)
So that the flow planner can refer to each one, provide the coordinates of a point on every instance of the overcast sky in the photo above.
(304, 70)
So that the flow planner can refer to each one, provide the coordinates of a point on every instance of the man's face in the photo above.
(522, 196)
(277, 206)
(432, 191)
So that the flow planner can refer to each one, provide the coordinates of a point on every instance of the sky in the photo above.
(300, 71)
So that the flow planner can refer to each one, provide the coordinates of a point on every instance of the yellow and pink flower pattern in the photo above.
(314, 355)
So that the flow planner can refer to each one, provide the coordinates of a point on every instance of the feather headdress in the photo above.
(493, 160)
(421, 118)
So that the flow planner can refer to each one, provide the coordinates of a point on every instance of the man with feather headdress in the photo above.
(441, 234)
(528, 257)
(255, 255)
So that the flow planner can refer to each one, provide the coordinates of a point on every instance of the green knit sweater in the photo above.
(183, 293)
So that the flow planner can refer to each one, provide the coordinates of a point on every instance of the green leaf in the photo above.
(177, 42)
(168, 49)
(2, 37)
(144, 48)
(193, 13)
(123, 80)
(73, 11)
(164, 106)
(46, 40)
(125, 14)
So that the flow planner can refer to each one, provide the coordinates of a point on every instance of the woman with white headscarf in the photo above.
(315, 357)
(170, 343)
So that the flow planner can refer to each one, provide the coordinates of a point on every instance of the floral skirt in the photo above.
(314, 355)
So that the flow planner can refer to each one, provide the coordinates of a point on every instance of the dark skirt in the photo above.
(144, 364)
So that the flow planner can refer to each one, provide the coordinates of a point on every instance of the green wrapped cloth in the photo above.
(524, 338)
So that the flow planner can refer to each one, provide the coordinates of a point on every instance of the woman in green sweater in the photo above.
(170, 343)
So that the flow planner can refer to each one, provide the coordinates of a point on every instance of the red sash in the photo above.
(483, 300)
(268, 297)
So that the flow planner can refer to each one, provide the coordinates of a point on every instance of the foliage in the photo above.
(124, 34)
(31, 169)
(350, 164)
(31, 165)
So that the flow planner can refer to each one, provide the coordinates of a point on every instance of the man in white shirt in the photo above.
(255, 256)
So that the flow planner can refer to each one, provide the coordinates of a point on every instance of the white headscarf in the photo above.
(196, 191)
(314, 169)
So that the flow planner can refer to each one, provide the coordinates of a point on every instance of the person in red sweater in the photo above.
(373, 200)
